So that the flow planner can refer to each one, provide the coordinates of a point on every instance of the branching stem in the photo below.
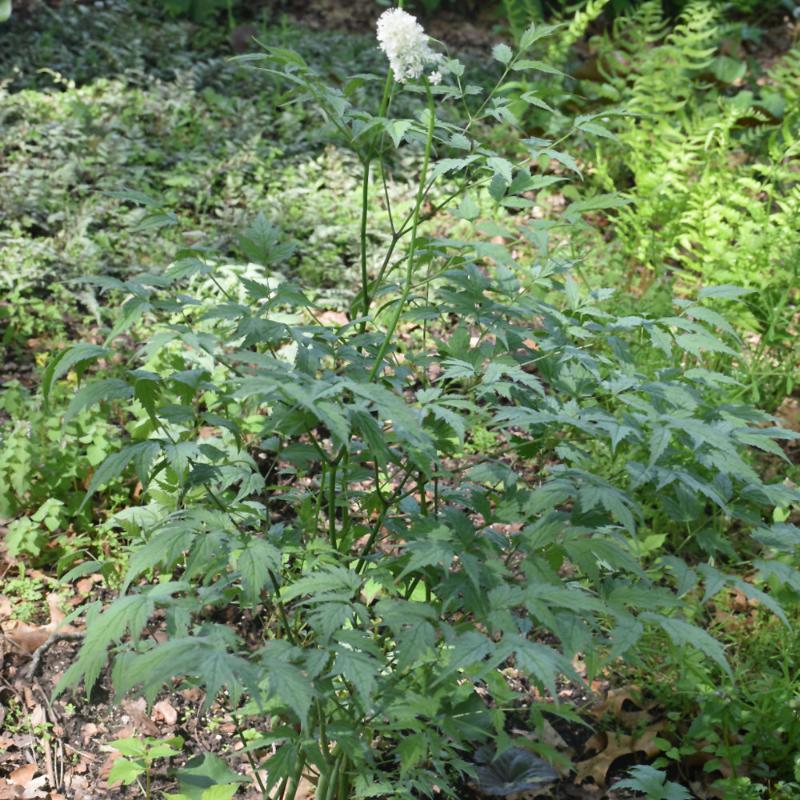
(412, 250)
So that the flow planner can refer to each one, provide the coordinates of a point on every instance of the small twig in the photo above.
(81, 753)
(48, 762)
(54, 638)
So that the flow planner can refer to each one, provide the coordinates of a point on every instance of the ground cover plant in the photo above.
(147, 118)
(388, 500)
(705, 149)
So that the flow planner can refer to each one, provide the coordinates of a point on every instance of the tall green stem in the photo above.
(364, 218)
(342, 793)
(294, 782)
(412, 249)
(332, 505)
(387, 93)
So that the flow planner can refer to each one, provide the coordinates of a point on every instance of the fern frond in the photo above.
(784, 76)
(583, 15)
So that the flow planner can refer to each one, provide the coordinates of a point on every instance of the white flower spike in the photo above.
(406, 45)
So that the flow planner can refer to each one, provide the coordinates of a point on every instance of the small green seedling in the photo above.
(139, 757)
(653, 783)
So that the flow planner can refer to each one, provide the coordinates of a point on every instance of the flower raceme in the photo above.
(406, 45)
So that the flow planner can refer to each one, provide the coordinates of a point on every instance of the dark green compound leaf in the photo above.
(86, 568)
(144, 458)
(125, 614)
(541, 663)
(261, 243)
(282, 764)
(653, 783)
(255, 562)
(359, 668)
(204, 771)
(515, 770)
(780, 536)
(724, 291)
(412, 750)
(66, 360)
(469, 649)
(325, 584)
(203, 658)
(147, 387)
(625, 635)
(432, 552)
(328, 618)
(114, 466)
(164, 547)
(414, 643)
(699, 343)
(290, 687)
(683, 633)
(326, 412)
(600, 202)
(136, 197)
(93, 393)
(374, 437)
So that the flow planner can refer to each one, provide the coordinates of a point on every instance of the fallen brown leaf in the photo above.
(333, 318)
(29, 638)
(88, 732)
(21, 741)
(24, 774)
(27, 696)
(612, 746)
(137, 711)
(56, 614)
(84, 585)
(192, 694)
(165, 711)
(78, 786)
(789, 413)
(38, 716)
(26, 638)
(614, 704)
(36, 788)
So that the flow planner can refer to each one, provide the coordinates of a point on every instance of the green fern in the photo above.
(783, 79)
(521, 13)
(785, 75)
(654, 71)
(715, 197)
(583, 15)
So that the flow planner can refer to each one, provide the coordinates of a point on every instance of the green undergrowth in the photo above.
(89, 112)
(702, 136)
(577, 466)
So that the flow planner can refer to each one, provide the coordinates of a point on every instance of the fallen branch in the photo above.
(54, 638)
